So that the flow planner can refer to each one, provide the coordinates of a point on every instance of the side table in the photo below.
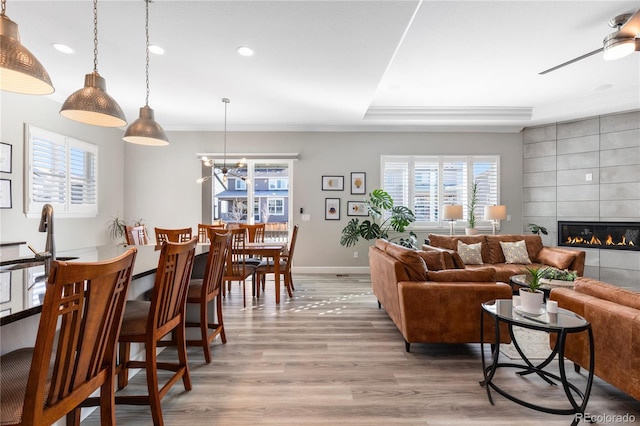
(563, 323)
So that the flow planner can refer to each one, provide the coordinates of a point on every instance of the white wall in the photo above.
(15, 111)
(176, 198)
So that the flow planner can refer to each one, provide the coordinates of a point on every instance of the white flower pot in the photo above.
(531, 302)
(471, 231)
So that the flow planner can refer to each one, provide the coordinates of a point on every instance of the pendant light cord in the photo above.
(95, 36)
(146, 28)
(224, 154)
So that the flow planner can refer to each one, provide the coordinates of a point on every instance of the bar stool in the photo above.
(148, 322)
(83, 299)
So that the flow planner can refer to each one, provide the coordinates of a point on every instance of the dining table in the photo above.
(268, 249)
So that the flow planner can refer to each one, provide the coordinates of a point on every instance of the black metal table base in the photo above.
(577, 398)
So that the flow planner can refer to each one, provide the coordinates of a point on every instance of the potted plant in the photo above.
(116, 228)
(471, 210)
(537, 229)
(379, 205)
(555, 276)
(531, 297)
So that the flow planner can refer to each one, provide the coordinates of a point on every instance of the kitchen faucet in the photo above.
(46, 225)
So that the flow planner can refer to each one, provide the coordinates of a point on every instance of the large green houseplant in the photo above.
(383, 217)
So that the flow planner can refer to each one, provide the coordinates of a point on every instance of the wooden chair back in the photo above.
(82, 311)
(255, 232)
(202, 231)
(136, 235)
(216, 260)
(181, 235)
(292, 246)
(170, 287)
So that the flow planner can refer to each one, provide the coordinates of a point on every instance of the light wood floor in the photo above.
(330, 356)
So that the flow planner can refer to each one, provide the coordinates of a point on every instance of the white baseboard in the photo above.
(333, 270)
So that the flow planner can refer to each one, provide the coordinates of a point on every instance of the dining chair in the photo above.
(255, 234)
(42, 384)
(181, 235)
(149, 321)
(236, 269)
(267, 267)
(202, 231)
(205, 290)
(136, 235)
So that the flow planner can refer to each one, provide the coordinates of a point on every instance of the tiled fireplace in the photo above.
(600, 235)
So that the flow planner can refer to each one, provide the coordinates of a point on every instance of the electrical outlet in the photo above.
(355, 254)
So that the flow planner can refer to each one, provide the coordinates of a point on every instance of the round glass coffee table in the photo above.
(563, 323)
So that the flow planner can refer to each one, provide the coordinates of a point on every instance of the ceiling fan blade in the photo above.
(579, 58)
(631, 28)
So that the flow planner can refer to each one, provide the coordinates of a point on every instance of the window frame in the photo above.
(269, 200)
(404, 192)
(65, 207)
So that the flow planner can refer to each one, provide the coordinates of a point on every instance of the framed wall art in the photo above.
(332, 208)
(5, 194)
(333, 183)
(358, 183)
(356, 208)
(5, 157)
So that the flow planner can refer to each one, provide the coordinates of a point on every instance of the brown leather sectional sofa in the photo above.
(541, 256)
(432, 306)
(614, 314)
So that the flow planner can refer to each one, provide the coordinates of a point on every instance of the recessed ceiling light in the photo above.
(62, 48)
(156, 49)
(245, 51)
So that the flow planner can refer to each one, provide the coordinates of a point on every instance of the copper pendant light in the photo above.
(91, 104)
(20, 71)
(145, 130)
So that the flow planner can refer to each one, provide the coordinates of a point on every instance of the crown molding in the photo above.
(449, 114)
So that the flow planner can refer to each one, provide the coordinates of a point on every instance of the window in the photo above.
(241, 185)
(425, 183)
(276, 206)
(278, 184)
(60, 171)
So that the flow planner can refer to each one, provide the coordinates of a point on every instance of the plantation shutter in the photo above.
(49, 171)
(485, 173)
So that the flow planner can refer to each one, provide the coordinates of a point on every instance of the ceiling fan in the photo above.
(220, 171)
(619, 43)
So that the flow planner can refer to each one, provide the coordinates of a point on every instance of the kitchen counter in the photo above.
(21, 295)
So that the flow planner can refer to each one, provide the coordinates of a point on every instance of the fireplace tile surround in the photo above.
(586, 170)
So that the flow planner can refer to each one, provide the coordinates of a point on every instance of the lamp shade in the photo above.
(495, 212)
(93, 105)
(618, 47)
(145, 130)
(452, 212)
(20, 71)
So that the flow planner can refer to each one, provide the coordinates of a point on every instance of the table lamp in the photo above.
(495, 214)
(452, 213)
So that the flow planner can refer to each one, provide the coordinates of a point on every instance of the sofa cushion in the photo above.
(608, 292)
(471, 254)
(414, 264)
(485, 274)
(434, 259)
(533, 243)
(560, 259)
(515, 252)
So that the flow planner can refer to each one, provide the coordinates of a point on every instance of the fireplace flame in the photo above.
(597, 242)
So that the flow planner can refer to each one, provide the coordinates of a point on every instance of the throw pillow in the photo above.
(471, 254)
(560, 259)
(515, 252)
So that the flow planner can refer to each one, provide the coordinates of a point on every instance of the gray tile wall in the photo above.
(589, 170)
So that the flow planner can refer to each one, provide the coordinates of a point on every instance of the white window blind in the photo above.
(60, 171)
(426, 183)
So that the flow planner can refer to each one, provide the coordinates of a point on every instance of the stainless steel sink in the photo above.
(29, 263)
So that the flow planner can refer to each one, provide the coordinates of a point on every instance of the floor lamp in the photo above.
(495, 214)
(452, 213)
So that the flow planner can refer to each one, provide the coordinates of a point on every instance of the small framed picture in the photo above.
(358, 183)
(333, 183)
(5, 157)
(356, 208)
(5, 287)
(332, 208)
(5, 194)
